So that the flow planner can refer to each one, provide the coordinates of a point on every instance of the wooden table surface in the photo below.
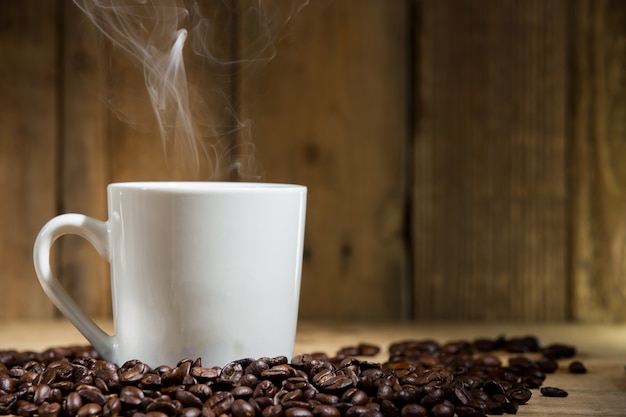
(600, 392)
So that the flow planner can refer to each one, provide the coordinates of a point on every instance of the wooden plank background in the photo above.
(462, 159)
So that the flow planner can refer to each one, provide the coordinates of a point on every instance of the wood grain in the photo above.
(598, 174)
(85, 153)
(328, 112)
(28, 147)
(489, 207)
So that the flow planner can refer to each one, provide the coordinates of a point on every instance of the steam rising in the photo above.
(162, 35)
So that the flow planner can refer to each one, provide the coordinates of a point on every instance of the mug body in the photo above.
(205, 269)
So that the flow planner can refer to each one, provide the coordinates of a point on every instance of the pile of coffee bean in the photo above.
(420, 378)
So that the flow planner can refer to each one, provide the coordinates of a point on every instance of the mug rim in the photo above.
(203, 186)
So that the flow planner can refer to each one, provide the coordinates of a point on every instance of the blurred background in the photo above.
(465, 160)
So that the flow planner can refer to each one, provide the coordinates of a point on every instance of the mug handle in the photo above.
(95, 232)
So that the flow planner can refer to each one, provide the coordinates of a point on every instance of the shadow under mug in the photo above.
(206, 270)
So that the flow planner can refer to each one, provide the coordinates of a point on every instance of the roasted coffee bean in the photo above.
(577, 367)
(188, 399)
(519, 395)
(204, 374)
(47, 409)
(547, 365)
(42, 393)
(553, 392)
(296, 382)
(413, 410)
(366, 349)
(220, 402)
(231, 373)
(559, 351)
(326, 398)
(112, 407)
(275, 410)
(298, 412)
(89, 410)
(169, 408)
(442, 410)
(73, 403)
(279, 372)
(190, 412)
(325, 410)
(202, 391)
(242, 408)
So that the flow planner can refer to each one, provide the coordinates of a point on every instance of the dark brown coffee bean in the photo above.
(220, 402)
(553, 392)
(156, 414)
(190, 412)
(73, 403)
(296, 382)
(442, 410)
(279, 372)
(89, 410)
(47, 409)
(112, 407)
(202, 391)
(294, 395)
(366, 349)
(242, 408)
(519, 395)
(275, 410)
(326, 398)
(204, 374)
(577, 367)
(265, 388)
(326, 410)
(187, 399)
(165, 406)
(131, 391)
(433, 398)
(91, 395)
(26, 409)
(413, 410)
(559, 351)
(7, 384)
(356, 411)
(231, 373)
(298, 412)
(547, 365)
(42, 393)
(336, 382)
(150, 381)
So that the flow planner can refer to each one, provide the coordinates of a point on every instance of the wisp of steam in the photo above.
(160, 35)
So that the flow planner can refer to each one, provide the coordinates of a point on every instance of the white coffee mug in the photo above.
(198, 269)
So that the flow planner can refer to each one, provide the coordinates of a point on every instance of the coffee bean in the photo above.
(190, 412)
(73, 403)
(42, 393)
(188, 399)
(89, 410)
(553, 392)
(242, 408)
(112, 407)
(577, 367)
(298, 412)
(325, 410)
(442, 410)
(413, 410)
(47, 409)
(220, 402)
(275, 410)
